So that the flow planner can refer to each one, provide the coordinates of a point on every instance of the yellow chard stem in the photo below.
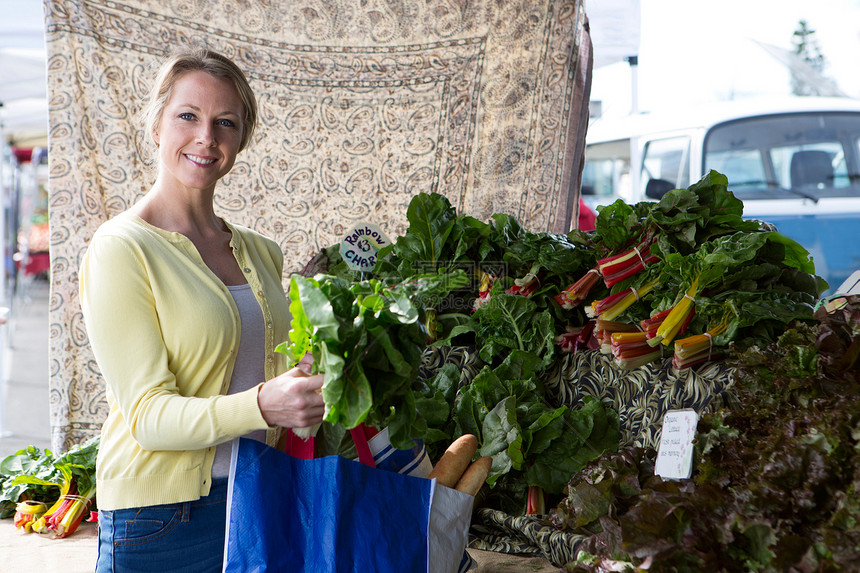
(669, 328)
(633, 296)
(698, 342)
(40, 525)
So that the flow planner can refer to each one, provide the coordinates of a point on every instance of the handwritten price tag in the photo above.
(675, 453)
(360, 246)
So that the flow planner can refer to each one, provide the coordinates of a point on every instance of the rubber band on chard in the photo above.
(698, 348)
(613, 305)
(631, 350)
(576, 293)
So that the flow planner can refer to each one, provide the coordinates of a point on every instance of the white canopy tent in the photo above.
(615, 30)
(23, 73)
(23, 103)
(615, 27)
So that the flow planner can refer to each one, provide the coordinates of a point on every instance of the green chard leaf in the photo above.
(513, 322)
(368, 340)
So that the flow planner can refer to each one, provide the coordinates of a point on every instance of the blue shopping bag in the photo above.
(333, 514)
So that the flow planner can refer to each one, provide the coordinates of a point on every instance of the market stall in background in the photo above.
(25, 242)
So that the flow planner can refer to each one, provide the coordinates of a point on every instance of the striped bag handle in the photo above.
(305, 449)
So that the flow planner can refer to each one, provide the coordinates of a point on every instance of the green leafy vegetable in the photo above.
(523, 433)
(34, 474)
(368, 341)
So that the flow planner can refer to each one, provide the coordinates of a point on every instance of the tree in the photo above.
(807, 49)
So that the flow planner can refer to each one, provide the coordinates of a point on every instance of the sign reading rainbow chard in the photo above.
(361, 245)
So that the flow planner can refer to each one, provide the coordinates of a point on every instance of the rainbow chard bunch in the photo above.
(527, 285)
(631, 350)
(50, 493)
(698, 348)
(578, 292)
(631, 238)
(613, 305)
(73, 505)
(748, 283)
(616, 268)
(690, 264)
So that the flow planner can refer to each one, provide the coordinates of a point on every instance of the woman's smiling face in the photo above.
(200, 131)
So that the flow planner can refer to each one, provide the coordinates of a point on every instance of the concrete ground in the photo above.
(24, 404)
(25, 421)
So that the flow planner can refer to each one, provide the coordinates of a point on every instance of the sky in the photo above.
(695, 51)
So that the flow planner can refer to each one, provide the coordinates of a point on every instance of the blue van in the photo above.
(793, 162)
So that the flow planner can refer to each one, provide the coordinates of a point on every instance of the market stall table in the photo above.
(34, 552)
(78, 552)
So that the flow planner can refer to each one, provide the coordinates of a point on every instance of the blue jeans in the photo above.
(182, 537)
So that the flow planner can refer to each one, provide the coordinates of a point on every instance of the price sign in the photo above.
(675, 453)
(360, 246)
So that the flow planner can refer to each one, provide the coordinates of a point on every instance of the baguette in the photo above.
(475, 476)
(455, 460)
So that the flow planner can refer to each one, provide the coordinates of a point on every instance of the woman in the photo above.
(183, 312)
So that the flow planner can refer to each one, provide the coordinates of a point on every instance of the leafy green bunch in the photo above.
(682, 220)
(368, 341)
(531, 441)
(36, 474)
(438, 240)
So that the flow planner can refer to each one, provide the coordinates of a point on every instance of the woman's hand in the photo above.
(293, 399)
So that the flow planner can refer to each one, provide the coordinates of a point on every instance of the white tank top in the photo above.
(249, 369)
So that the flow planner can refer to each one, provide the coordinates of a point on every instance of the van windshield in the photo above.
(788, 155)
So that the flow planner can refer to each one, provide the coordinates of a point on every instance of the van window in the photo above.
(665, 165)
(787, 155)
(606, 172)
(742, 167)
(819, 167)
(597, 177)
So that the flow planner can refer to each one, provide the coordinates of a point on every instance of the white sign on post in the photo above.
(360, 246)
(675, 452)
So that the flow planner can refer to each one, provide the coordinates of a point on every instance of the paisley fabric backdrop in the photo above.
(364, 103)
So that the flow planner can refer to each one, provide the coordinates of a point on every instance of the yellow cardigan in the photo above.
(164, 331)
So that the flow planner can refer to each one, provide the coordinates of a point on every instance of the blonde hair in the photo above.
(204, 60)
